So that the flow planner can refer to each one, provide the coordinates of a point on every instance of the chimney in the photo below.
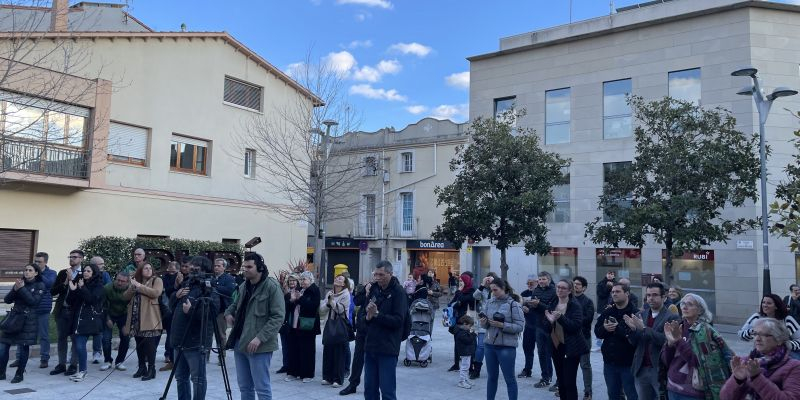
(58, 16)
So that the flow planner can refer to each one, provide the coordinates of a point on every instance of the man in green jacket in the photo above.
(116, 314)
(256, 317)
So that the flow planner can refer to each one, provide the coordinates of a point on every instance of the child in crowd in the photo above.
(466, 342)
(409, 285)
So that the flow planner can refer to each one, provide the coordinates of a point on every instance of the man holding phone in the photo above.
(617, 350)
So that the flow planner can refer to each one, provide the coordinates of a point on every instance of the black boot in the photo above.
(475, 373)
(349, 389)
(453, 367)
(2, 372)
(150, 374)
(18, 376)
(140, 372)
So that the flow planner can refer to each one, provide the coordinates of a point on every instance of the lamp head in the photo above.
(746, 71)
(781, 92)
(329, 123)
(745, 91)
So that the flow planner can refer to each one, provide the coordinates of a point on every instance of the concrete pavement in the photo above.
(413, 382)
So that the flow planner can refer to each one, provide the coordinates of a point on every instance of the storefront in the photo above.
(440, 256)
(560, 262)
(626, 263)
(342, 251)
(693, 272)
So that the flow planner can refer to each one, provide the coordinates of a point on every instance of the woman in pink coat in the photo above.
(767, 373)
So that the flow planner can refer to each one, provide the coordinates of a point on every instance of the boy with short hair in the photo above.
(466, 342)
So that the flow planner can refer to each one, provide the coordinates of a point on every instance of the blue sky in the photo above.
(404, 59)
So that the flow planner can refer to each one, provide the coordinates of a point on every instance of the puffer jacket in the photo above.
(48, 279)
(514, 323)
(782, 382)
(25, 300)
(87, 304)
(482, 295)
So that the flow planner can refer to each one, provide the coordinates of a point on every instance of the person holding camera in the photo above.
(617, 350)
(254, 336)
(190, 339)
(86, 299)
(144, 318)
(25, 295)
(503, 320)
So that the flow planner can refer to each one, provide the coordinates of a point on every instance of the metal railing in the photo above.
(43, 158)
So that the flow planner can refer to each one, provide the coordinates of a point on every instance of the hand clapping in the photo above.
(673, 330)
(72, 285)
(552, 316)
(744, 367)
(634, 322)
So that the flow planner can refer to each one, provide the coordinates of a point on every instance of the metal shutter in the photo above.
(188, 140)
(127, 141)
(242, 94)
(16, 250)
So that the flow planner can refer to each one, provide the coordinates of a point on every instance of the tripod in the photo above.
(203, 304)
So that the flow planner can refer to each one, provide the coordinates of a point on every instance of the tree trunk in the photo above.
(668, 266)
(503, 265)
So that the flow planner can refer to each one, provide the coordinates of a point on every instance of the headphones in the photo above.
(260, 265)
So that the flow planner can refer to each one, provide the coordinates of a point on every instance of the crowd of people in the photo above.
(664, 347)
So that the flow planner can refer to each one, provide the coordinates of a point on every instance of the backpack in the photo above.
(448, 317)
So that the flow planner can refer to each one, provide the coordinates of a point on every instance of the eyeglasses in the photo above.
(75, 257)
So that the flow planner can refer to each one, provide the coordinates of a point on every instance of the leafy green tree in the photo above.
(786, 206)
(690, 164)
(503, 190)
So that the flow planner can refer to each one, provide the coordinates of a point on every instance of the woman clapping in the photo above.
(25, 295)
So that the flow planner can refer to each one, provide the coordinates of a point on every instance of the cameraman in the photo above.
(189, 340)
(254, 337)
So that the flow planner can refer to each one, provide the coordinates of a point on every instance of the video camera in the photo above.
(204, 281)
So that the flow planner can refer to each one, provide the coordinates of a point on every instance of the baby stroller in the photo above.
(418, 344)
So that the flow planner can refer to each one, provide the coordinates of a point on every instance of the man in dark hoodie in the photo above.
(360, 299)
(617, 350)
(386, 315)
(543, 295)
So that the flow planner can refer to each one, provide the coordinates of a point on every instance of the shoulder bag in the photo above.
(14, 322)
(337, 331)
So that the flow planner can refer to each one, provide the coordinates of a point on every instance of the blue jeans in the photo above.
(504, 358)
(479, 348)
(191, 363)
(252, 374)
(529, 345)
(677, 396)
(124, 341)
(22, 357)
(43, 321)
(545, 347)
(80, 345)
(380, 381)
(619, 378)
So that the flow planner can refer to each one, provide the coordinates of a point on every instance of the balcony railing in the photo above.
(43, 158)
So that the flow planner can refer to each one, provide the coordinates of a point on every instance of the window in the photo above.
(557, 116)
(370, 166)
(369, 215)
(188, 155)
(560, 262)
(407, 216)
(30, 119)
(609, 172)
(561, 197)
(502, 105)
(407, 161)
(242, 94)
(127, 143)
(685, 85)
(249, 163)
(616, 111)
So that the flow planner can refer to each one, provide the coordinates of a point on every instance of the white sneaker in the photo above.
(471, 383)
(105, 367)
(306, 380)
(325, 383)
(464, 384)
(336, 384)
(121, 367)
(290, 378)
(98, 358)
(79, 377)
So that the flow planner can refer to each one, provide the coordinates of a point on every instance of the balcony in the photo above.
(401, 230)
(46, 162)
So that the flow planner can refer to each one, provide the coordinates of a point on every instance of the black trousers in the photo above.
(302, 354)
(334, 357)
(146, 350)
(529, 345)
(567, 373)
(358, 361)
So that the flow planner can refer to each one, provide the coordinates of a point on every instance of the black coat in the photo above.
(616, 349)
(25, 300)
(463, 301)
(572, 324)
(385, 331)
(87, 305)
(603, 293)
(587, 307)
(309, 308)
(466, 341)
(61, 289)
(186, 327)
(545, 296)
(360, 300)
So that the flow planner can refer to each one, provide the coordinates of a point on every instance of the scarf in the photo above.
(770, 362)
(467, 283)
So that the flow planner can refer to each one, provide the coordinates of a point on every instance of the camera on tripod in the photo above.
(203, 280)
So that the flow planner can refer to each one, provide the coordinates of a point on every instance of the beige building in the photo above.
(398, 210)
(142, 139)
(572, 80)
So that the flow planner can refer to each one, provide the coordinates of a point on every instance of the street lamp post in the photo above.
(326, 151)
(763, 105)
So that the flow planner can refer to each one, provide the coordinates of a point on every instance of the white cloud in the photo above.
(391, 67)
(374, 74)
(361, 17)
(296, 69)
(369, 3)
(359, 43)
(369, 92)
(416, 109)
(458, 80)
(340, 63)
(414, 48)
(455, 112)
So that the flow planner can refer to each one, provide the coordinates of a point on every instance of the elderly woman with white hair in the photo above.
(696, 356)
(768, 372)
(305, 328)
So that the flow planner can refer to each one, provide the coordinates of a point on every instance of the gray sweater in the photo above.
(513, 325)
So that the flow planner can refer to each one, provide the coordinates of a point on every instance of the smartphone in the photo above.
(611, 320)
(482, 315)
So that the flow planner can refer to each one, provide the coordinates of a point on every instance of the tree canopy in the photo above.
(786, 206)
(690, 165)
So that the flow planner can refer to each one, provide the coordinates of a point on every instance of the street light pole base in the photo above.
(767, 283)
